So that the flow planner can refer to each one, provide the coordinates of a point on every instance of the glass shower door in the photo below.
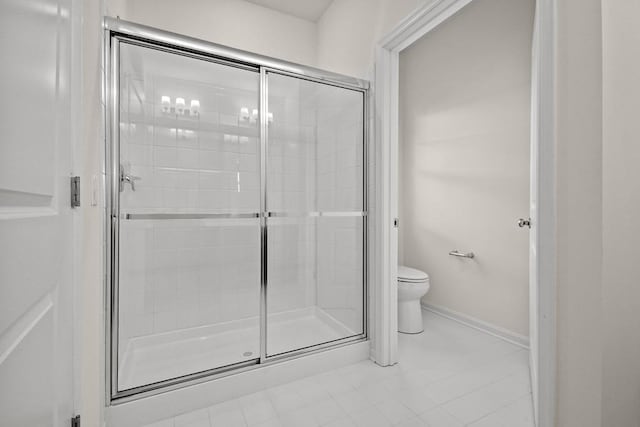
(316, 214)
(188, 287)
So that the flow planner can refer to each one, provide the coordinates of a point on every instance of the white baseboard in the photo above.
(478, 324)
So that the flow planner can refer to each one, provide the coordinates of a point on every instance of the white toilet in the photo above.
(412, 285)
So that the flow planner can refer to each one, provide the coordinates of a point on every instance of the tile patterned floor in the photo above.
(448, 376)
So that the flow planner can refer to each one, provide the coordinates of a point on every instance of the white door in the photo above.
(36, 374)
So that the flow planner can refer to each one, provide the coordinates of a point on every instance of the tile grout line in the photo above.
(358, 377)
(474, 389)
(499, 409)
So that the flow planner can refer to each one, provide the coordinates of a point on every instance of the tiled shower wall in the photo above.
(187, 273)
(291, 177)
(340, 189)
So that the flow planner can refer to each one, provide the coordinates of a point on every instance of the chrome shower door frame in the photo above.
(116, 32)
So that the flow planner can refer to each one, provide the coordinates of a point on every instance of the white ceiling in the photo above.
(311, 10)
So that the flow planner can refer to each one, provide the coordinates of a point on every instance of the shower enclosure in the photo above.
(237, 210)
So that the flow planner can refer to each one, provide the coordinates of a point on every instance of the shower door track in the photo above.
(118, 31)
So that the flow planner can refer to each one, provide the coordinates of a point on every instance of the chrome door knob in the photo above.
(524, 222)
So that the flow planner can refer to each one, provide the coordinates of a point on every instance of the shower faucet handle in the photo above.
(131, 179)
(127, 178)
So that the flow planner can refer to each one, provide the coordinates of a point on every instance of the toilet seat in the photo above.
(411, 275)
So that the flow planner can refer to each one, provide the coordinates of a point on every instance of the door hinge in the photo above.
(75, 421)
(75, 191)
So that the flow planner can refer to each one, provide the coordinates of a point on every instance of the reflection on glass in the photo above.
(189, 289)
(314, 165)
(190, 224)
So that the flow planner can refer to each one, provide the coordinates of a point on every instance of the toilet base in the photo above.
(410, 317)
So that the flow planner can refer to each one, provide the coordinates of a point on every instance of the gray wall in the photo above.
(621, 207)
(579, 213)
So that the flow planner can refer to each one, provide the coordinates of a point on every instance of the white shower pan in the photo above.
(153, 358)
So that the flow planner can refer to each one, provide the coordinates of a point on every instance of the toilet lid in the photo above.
(408, 274)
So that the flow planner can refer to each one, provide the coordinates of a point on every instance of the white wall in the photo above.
(342, 40)
(349, 30)
(117, 8)
(89, 165)
(464, 168)
(621, 209)
(234, 23)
